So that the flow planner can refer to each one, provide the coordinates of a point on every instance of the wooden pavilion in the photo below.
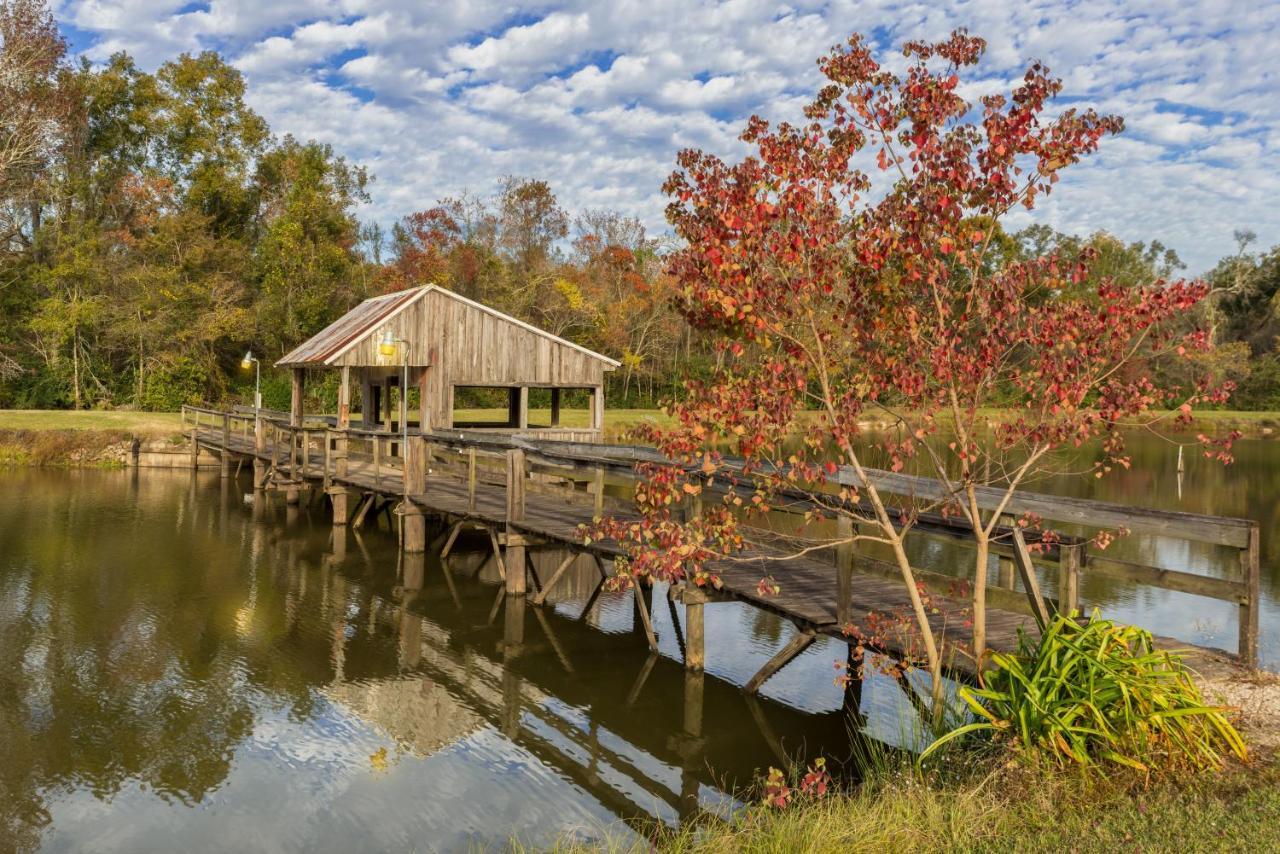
(442, 342)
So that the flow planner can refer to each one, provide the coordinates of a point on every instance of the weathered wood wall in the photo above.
(463, 343)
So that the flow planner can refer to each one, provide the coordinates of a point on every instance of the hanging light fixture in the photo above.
(387, 346)
(247, 362)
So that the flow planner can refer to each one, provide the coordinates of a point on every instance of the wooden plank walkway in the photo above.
(809, 588)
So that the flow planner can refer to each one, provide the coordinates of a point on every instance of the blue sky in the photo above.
(597, 97)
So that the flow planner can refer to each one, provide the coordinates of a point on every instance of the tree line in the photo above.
(154, 229)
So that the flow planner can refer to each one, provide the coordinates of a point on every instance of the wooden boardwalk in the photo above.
(552, 511)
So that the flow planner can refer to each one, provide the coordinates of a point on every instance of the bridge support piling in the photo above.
(695, 658)
(415, 524)
(515, 558)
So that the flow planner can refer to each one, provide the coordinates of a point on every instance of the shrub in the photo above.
(1098, 691)
(169, 386)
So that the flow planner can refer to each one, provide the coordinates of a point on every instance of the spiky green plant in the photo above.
(1095, 691)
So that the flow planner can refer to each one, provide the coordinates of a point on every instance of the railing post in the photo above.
(377, 462)
(292, 494)
(259, 450)
(328, 461)
(1252, 576)
(515, 559)
(471, 480)
(415, 473)
(226, 444)
(1070, 559)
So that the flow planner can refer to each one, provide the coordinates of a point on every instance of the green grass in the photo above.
(1008, 809)
(134, 423)
(615, 420)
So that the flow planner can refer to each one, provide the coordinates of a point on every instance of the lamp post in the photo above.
(249, 359)
(387, 347)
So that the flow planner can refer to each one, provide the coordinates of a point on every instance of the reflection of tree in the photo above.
(129, 641)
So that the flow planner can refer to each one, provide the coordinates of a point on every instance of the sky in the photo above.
(597, 98)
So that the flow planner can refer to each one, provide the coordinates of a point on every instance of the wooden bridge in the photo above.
(533, 494)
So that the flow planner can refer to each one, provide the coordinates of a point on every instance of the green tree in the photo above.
(306, 257)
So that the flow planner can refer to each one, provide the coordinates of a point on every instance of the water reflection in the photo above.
(245, 676)
(180, 663)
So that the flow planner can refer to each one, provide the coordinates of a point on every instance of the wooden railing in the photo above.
(579, 471)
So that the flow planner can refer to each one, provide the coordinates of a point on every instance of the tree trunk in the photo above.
(75, 368)
(980, 598)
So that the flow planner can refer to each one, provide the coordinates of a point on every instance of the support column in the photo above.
(845, 553)
(597, 408)
(260, 466)
(415, 524)
(295, 420)
(424, 399)
(370, 399)
(339, 493)
(1005, 574)
(515, 558)
(694, 635)
(226, 445)
(555, 407)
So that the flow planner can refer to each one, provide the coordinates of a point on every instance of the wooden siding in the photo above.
(461, 344)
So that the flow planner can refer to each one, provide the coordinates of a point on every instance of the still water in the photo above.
(178, 667)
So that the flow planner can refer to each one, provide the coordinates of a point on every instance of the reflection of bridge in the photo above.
(624, 723)
(530, 495)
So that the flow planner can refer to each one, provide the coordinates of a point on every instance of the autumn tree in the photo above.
(32, 108)
(843, 268)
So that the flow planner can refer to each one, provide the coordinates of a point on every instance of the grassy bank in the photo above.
(1007, 809)
(163, 423)
(62, 437)
(45, 437)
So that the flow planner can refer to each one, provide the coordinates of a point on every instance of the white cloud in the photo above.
(597, 97)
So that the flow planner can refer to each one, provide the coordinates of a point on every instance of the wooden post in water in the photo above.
(195, 445)
(339, 492)
(694, 636)
(415, 475)
(259, 449)
(1005, 573)
(295, 421)
(845, 553)
(1252, 577)
(515, 558)
(226, 445)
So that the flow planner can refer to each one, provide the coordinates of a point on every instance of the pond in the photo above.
(177, 662)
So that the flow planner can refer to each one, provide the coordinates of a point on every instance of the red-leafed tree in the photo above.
(847, 269)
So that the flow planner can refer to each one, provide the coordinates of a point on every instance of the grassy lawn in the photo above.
(136, 423)
(615, 420)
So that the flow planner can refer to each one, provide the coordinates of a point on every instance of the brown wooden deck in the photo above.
(553, 514)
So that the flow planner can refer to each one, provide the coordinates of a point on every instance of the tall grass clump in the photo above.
(1097, 692)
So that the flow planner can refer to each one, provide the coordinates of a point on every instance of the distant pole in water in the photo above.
(1181, 468)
